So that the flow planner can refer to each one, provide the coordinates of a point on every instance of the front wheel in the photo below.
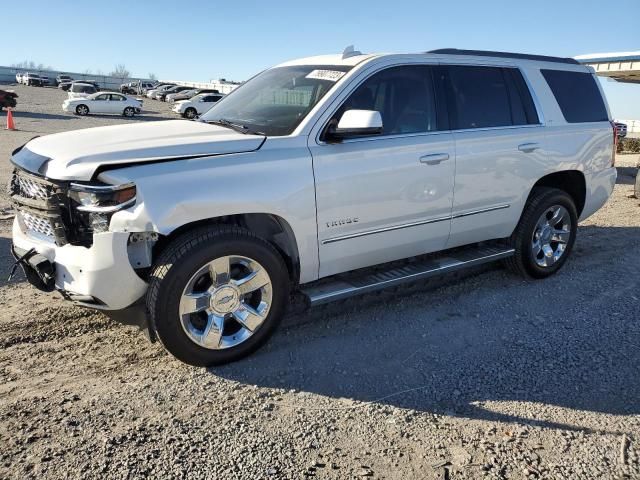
(217, 294)
(545, 235)
(82, 110)
(190, 113)
(129, 112)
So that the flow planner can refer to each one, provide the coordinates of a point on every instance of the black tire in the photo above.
(523, 262)
(179, 262)
(190, 113)
(82, 109)
(129, 112)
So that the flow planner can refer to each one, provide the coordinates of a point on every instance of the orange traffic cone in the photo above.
(10, 124)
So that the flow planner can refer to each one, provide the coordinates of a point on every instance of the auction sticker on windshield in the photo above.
(331, 75)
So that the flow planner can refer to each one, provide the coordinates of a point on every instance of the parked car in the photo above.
(65, 86)
(45, 80)
(19, 76)
(63, 79)
(130, 88)
(197, 105)
(622, 129)
(32, 79)
(81, 90)
(164, 86)
(321, 177)
(146, 86)
(103, 102)
(161, 95)
(187, 94)
(183, 95)
(8, 99)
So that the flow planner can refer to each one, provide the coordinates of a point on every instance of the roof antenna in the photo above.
(350, 52)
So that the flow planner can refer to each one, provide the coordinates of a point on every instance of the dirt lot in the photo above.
(487, 376)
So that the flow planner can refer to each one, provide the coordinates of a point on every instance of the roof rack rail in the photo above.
(488, 53)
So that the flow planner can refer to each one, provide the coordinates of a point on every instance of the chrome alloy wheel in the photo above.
(551, 236)
(225, 302)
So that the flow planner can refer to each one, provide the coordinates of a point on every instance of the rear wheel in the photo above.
(82, 110)
(190, 113)
(545, 235)
(129, 112)
(217, 294)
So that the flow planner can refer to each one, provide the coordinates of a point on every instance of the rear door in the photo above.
(500, 147)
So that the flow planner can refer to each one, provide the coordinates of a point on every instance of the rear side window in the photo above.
(577, 95)
(486, 97)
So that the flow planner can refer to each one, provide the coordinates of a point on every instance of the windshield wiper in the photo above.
(238, 127)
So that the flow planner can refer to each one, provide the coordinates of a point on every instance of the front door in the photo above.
(387, 196)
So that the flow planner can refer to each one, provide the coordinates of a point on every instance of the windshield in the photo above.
(275, 101)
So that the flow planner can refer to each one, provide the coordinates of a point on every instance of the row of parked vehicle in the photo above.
(37, 80)
(188, 102)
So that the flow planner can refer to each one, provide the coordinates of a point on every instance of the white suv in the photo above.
(305, 177)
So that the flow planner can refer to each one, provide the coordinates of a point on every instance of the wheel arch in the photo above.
(272, 228)
(572, 182)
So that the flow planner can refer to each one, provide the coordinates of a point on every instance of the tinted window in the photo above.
(577, 95)
(117, 98)
(479, 97)
(102, 98)
(523, 111)
(403, 96)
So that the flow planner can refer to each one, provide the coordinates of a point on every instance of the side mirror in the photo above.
(356, 123)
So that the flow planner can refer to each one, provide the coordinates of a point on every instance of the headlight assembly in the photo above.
(94, 204)
(102, 199)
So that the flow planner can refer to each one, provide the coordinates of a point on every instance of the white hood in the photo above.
(76, 155)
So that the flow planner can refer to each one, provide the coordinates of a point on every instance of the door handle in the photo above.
(434, 158)
(528, 147)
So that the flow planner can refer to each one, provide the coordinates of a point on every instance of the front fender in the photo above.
(276, 180)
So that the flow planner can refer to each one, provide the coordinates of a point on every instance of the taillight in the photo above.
(615, 143)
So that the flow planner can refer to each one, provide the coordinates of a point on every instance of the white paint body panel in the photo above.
(404, 206)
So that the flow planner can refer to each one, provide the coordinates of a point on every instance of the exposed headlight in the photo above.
(102, 199)
(94, 204)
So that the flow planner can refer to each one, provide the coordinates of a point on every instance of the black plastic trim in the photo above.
(489, 53)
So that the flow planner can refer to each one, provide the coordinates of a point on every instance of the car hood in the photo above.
(77, 155)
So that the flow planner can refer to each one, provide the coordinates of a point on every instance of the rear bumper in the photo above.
(99, 277)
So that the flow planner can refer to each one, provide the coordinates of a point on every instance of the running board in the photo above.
(363, 281)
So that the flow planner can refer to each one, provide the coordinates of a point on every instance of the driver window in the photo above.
(404, 97)
(102, 97)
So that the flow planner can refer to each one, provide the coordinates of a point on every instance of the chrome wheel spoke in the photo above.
(548, 254)
(561, 236)
(536, 248)
(212, 334)
(219, 270)
(194, 302)
(249, 317)
(252, 282)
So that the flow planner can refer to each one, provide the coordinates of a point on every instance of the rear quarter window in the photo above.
(578, 96)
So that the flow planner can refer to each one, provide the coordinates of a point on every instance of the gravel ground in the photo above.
(481, 376)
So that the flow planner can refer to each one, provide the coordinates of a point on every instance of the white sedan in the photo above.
(103, 102)
(197, 105)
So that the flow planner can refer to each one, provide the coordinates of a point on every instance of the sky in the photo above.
(200, 40)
